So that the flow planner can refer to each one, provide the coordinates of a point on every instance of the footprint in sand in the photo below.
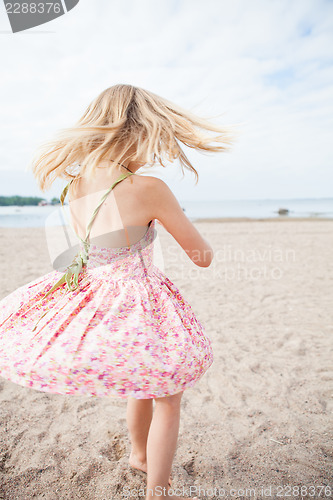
(115, 449)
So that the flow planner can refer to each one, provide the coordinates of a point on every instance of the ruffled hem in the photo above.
(74, 388)
(108, 338)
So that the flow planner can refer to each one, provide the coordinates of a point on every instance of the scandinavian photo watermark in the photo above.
(232, 264)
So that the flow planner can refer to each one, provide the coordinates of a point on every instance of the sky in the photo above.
(265, 66)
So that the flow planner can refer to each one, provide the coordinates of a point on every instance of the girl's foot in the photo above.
(135, 463)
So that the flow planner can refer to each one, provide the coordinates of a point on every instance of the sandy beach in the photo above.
(261, 418)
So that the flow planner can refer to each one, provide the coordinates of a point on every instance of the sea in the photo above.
(39, 216)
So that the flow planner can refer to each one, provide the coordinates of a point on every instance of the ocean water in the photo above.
(255, 209)
(34, 216)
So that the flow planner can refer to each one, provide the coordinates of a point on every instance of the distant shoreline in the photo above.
(224, 211)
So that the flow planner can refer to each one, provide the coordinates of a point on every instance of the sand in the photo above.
(261, 417)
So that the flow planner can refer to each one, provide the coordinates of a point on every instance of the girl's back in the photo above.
(132, 204)
(124, 207)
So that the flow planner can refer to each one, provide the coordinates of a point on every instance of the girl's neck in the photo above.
(100, 177)
(121, 167)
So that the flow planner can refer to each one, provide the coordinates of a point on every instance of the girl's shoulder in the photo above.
(150, 184)
(154, 195)
(147, 180)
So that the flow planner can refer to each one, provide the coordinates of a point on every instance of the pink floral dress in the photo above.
(112, 325)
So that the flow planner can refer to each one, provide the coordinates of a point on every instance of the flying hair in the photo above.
(126, 123)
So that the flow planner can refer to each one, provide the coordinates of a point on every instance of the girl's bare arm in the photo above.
(161, 204)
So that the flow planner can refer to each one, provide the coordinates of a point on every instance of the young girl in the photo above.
(113, 324)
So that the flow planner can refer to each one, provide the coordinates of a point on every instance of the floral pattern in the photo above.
(126, 330)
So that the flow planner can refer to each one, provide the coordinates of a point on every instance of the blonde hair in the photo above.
(125, 122)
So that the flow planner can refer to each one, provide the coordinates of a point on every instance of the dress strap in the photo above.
(102, 201)
(64, 194)
(62, 199)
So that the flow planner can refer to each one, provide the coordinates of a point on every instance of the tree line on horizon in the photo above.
(6, 201)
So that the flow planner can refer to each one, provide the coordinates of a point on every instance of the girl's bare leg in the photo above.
(139, 413)
(161, 445)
